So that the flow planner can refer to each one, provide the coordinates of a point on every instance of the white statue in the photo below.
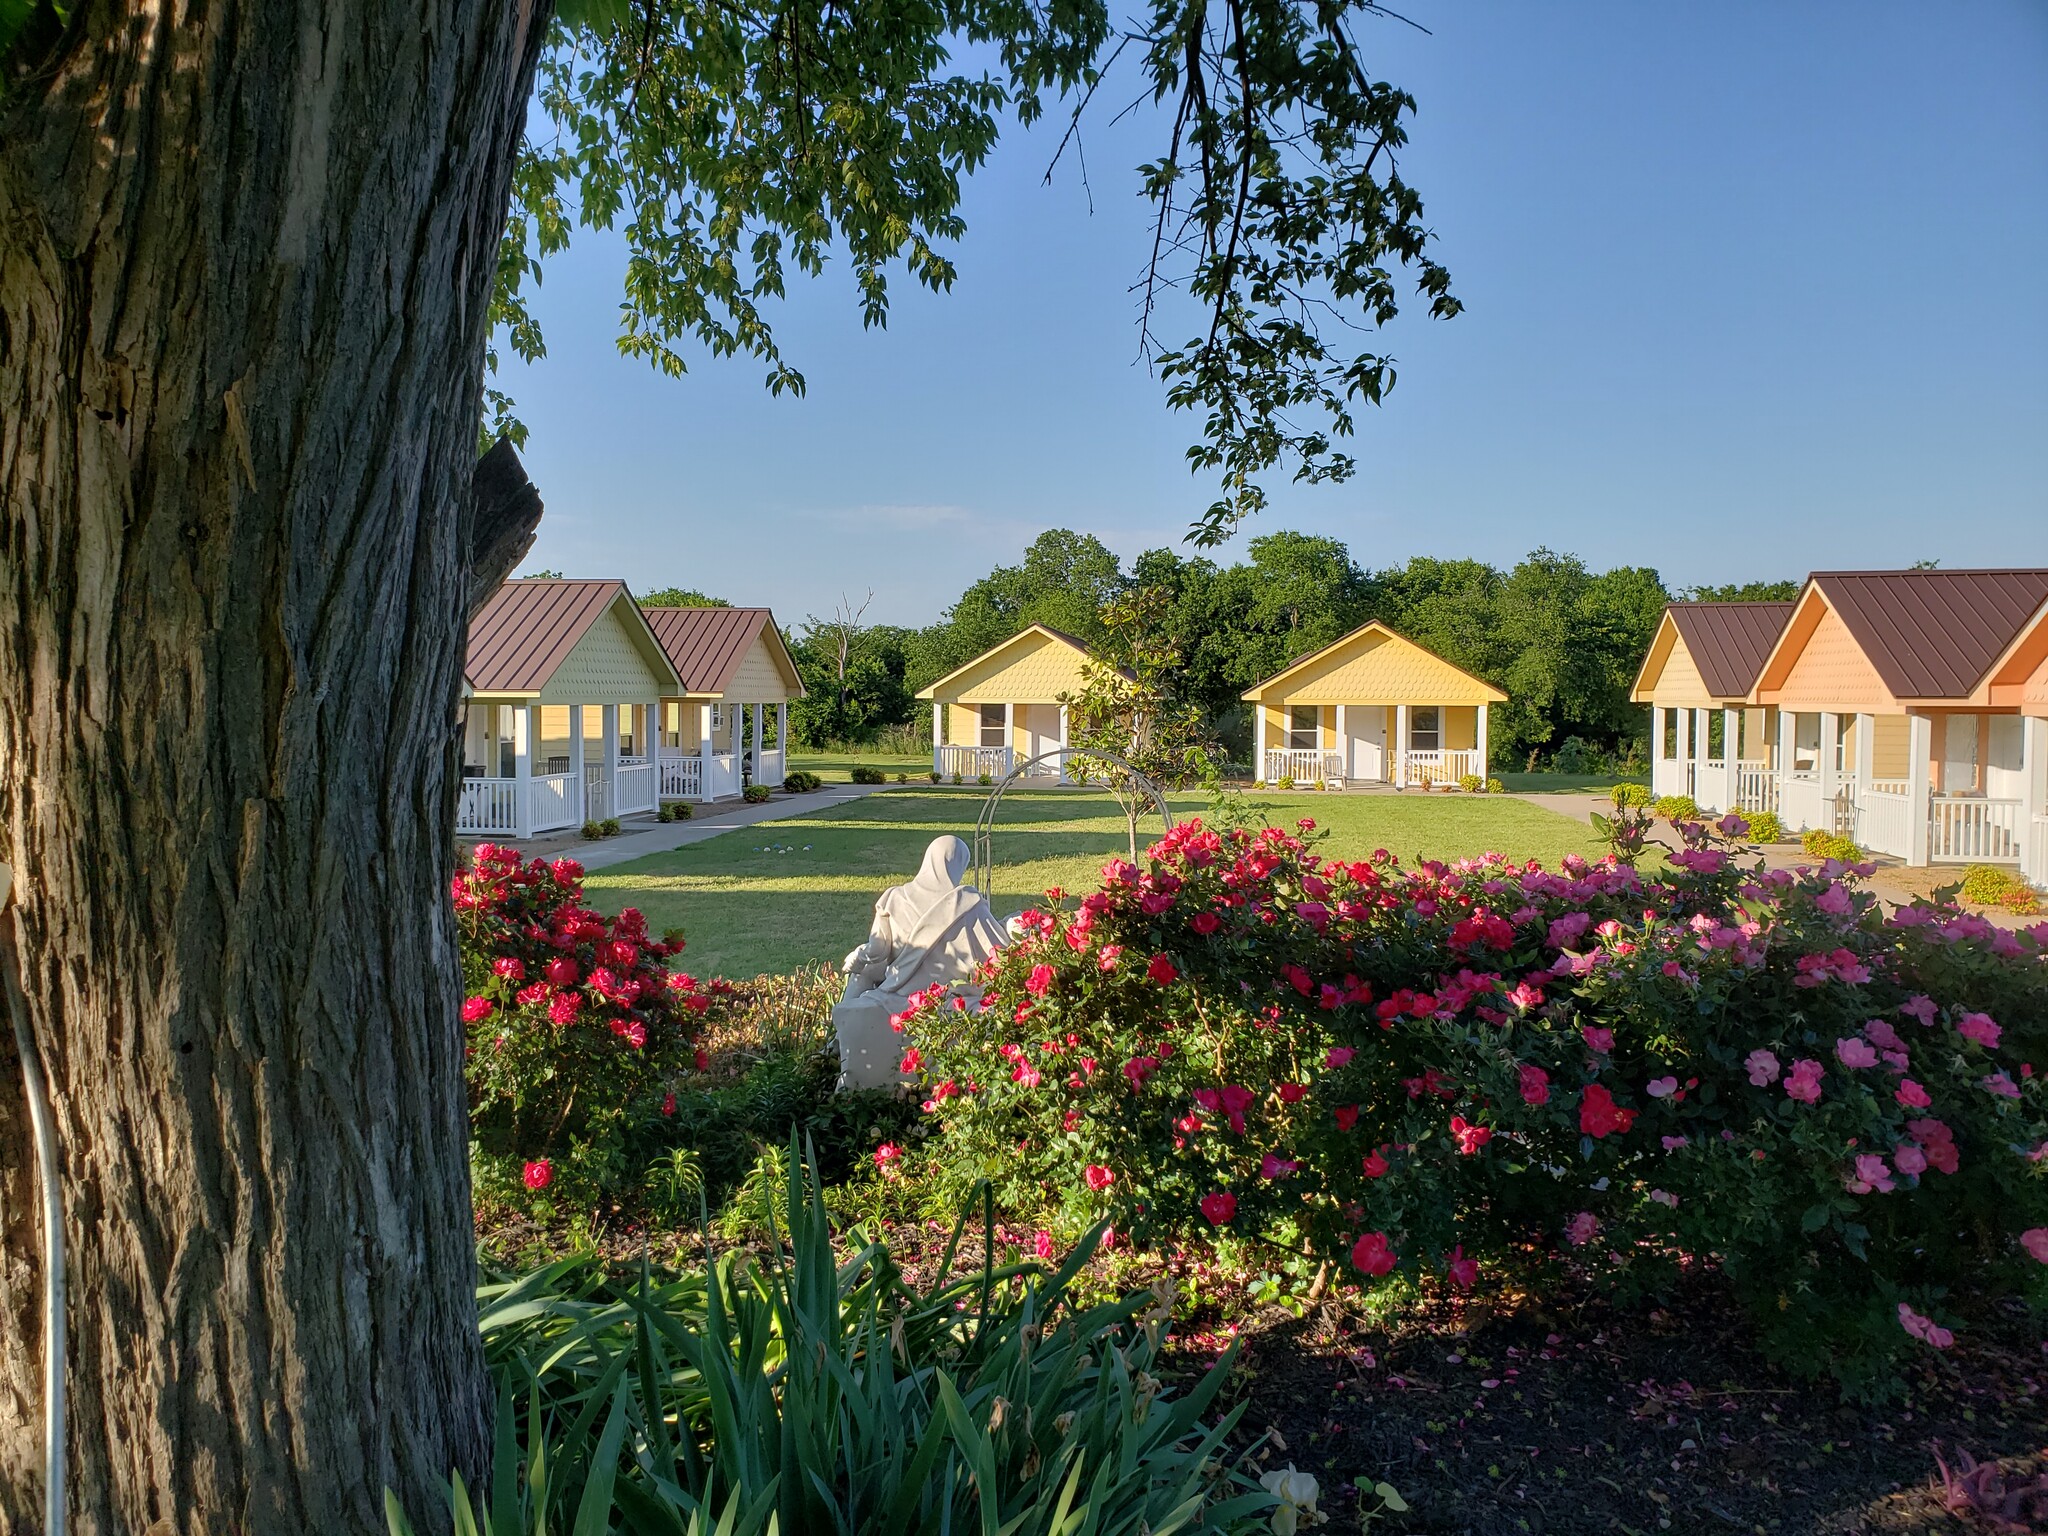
(932, 929)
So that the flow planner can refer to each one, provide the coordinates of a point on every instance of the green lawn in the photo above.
(768, 898)
(837, 768)
(1566, 783)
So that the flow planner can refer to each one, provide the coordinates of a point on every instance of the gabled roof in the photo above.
(706, 645)
(1386, 632)
(1030, 631)
(1728, 642)
(528, 628)
(1930, 634)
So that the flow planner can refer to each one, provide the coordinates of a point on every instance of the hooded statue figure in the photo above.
(931, 929)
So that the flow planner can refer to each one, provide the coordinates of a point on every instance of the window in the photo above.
(1806, 744)
(629, 730)
(995, 725)
(1959, 755)
(672, 723)
(1844, 726)
(1425, 729)
(1670, 735)
(508, 743)
(1304, 728)
(1717, 736)
(718, 717)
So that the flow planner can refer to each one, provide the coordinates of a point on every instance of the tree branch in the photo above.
(504, 512)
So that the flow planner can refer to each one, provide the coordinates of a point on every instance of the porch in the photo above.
(992, 739)
(530, 768)
(1401, 745)
(713, 749)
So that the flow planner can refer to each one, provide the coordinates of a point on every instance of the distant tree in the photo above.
(541, 576)
(853, 678)
(1064, 581)
(1743, 592)
(1127, 719)
(680, 597)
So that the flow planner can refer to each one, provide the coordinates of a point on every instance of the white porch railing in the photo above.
(550, 802)
(1445, 767)
(1884, 818)
(1968, 829)
(2036, 866)
(1302, 766)
(682, 778)
(488, 808)
(770, 768)
(1756, 786)
(634, 788)
(725, 776)
(970, 762)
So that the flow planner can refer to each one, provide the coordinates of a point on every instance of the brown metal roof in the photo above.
(1729, 642)
(522, 634)
(705, 644)
(1933, 634)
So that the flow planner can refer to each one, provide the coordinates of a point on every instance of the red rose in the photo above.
(1219, 1207)
(1206, 923)
(1098, 1177)
(1372, 1255)
(476, 1009)
(539, 1174)
(1161, 970)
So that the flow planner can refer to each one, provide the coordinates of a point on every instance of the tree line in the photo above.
(1561, 640)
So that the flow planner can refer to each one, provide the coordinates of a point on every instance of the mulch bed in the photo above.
(1649, 1420)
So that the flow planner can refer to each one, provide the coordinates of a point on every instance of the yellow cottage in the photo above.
(1372, 708)
(1003, 707)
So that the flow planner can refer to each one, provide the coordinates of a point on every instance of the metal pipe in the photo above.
(45, 1132)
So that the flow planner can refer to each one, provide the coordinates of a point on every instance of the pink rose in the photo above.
(1980, 1028)
(1337, 1056)
(1373, 1255)
(1098, 1177)
(1535, 1084)
(1803, 1081)
(1220, 1208)
(1763, 1068)
(2035, 1241)
(1582, 1229)
(1911, 1094)
(1911, 1160)
(1855, 1051)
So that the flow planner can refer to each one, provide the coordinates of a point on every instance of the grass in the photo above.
(1565, 783)
(837, 767)
(769, 898)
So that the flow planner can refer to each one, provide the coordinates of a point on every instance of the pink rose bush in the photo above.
(577, 1030)
(1485, 1063)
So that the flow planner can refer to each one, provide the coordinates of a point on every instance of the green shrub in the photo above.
(1482, 1063)
(1988, 886)
(801, 782)
(789, 1391)
(1676, 808)
(1495, 787)
(863, 773)
(756, 794)
(609, 826)
(1472, 784)
(984, 780)
(902, 778)
(1830, 845)
(1629, 796)
(935, 776)
(1286, 781)
(1579, 756)
(956, 778)
(592, 831)
(673, 810)
(1764, 826)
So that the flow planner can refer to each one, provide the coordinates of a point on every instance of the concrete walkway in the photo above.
(645, 835)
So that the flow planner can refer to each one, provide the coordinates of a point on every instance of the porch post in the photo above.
(1919, 806)
(1866, 750)
(1731, 757)
(1009, 737)
(522, 770)
(756, 714)
(1830, 725)
(1400, 746)
(576, 762)
(938, 733)
(1479, 740)
(611, 759)
(2033, 798)
(1341, 746)
(704, 751)
(1258, 741)
(1063, 743)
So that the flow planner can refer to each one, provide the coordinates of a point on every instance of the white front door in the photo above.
(1365, 750)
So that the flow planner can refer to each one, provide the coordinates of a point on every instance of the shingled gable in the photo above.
(527, 629)
(1728, 644)
(707, 645)
(1928, 634)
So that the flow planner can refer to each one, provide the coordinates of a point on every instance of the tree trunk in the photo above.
(245, 259)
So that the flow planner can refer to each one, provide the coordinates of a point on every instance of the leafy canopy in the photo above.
(734, 141)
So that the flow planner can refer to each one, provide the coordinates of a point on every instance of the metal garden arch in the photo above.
(984, 828)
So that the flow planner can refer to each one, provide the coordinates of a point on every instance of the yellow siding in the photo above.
(759, 679)
(1891, 739)
(1378, 668)
(1461, 728)
(1832, 673)
(605, 667)
(963, 726)
(1679, 685)
(1034, 669)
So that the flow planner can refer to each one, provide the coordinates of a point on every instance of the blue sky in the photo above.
(1751, 289)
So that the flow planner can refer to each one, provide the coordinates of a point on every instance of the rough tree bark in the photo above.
(246, 248)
